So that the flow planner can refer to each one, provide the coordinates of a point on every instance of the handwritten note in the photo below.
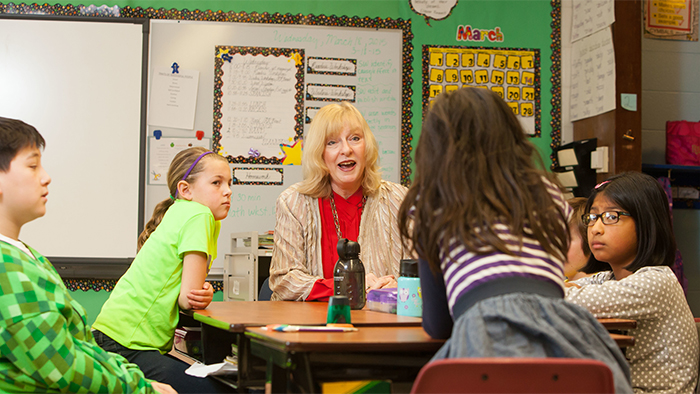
(379, 97)
(320, 92)
(259, 111)
(253, 204)
(592, 75)
(332, 66)
(257, 176)
(591, 16)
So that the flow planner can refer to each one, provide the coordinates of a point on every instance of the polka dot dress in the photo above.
(664, 358)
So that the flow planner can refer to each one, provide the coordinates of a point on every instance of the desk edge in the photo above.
(208, 320)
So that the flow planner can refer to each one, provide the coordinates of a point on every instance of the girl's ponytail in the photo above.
(158, 214)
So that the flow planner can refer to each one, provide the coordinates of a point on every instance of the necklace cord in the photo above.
(335, 214)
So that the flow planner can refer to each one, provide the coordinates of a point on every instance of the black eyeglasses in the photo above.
(610, 217)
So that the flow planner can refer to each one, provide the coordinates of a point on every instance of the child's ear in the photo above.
(184, 191)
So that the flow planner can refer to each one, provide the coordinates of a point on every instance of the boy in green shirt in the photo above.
(45, 344)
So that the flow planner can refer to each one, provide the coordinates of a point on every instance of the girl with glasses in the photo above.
(630, 232)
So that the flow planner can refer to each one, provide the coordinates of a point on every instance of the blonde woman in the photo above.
(342, 196)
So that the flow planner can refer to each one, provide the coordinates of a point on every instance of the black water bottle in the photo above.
(349, 274)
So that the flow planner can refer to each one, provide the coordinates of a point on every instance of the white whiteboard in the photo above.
(379, 84)
(79, 84)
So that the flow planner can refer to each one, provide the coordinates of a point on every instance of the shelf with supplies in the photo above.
(247, 265)
(685, 183)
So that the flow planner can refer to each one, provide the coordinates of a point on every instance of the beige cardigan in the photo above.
(296, 257)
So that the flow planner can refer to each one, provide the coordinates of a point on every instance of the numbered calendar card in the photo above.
(514, 74)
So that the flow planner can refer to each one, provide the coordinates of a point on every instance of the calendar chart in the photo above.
(514, 74)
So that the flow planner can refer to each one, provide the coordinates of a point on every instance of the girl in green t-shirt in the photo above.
(175, 253)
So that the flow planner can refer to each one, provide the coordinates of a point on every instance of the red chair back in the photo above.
(514, 375)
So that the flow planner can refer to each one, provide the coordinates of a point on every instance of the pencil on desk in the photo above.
(290, 328)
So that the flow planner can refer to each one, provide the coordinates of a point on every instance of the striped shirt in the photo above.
(464, 270)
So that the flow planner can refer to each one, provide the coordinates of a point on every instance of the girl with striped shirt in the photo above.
(490, 227)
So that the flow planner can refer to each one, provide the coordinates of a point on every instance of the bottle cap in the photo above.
(348, 249)
(338, 300)
(409, 268)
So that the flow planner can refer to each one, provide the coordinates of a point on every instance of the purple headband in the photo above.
(192, 167)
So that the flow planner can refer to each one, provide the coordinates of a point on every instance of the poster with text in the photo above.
(258, 106)
(671, 19)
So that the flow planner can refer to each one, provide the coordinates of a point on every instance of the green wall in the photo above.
(93, 300)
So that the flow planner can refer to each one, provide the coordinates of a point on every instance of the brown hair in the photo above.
(475, 168)
(16, 135)
(579, 206)
(178, 167)
(328, 123)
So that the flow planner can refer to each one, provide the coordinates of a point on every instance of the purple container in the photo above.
(382, 300)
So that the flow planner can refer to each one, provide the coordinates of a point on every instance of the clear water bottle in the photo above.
(349, 274)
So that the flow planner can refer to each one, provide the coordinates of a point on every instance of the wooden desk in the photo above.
(618, 331)
(223, 324)
(372, 353)
(377, 353)
(235, 316)
(623, 341)
(618, 324)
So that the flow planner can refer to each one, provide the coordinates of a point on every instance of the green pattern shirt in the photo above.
(45, 343)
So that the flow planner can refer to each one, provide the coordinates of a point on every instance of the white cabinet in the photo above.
(241, 268)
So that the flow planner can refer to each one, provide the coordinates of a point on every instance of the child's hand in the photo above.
(571, 284)
(385, 282)
(200, 299)
(372, 282)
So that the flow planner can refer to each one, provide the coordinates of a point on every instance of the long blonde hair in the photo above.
(328, 123)
(178, 167)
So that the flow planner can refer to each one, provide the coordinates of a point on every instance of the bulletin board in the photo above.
(258, 105)
(514, 74)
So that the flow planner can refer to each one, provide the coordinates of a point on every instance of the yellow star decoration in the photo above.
(297, 59)
(222, 52)
(293, 152)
